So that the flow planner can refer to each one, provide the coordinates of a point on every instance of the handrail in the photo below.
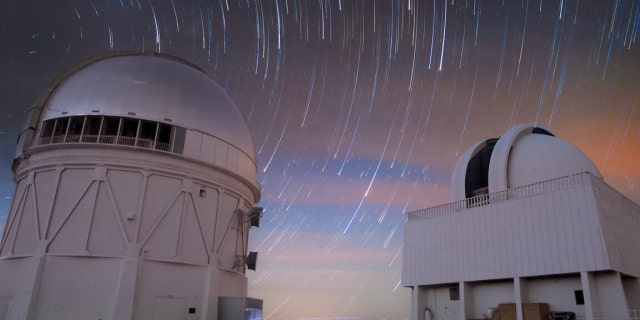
(501, 196)
(105, 139)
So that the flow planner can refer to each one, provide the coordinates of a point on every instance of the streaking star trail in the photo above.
(358, 110)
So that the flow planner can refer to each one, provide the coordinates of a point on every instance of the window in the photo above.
(91, 129)
(75, 129)
(147, 134)
(109, 130)
(579, 295)
(164, 137)
(454, 294)
(60, 130)
(128, 132)
(47, 131)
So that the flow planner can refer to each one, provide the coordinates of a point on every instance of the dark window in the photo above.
(129, 128)
(124, 131)
(454, 294)
(538, 130)
(192, 310)
(579, 297)
(47, 128)
(203, 193)
(477, 175)
(164, 137)
(91, 129)
(147, 134)
(109, 129)
(128, 131)
(47, 131)
(60, 130)
(75, 129)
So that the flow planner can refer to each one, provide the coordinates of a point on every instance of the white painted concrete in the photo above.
(550, 227)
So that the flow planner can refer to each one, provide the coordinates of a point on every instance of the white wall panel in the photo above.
(547, 233)
(192, 144)
(620, 220)
(490, 295)
(84, 276)
(208, 151)
(159, 194)
(126, 187)
(558, 292)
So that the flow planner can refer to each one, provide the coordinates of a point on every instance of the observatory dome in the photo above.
(524, 155)
(156, 88)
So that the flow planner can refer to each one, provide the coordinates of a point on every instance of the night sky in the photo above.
(358, 109)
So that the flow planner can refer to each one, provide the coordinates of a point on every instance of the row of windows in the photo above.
(113, 130)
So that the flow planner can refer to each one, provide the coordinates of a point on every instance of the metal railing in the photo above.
(501, 196)
(106, 139)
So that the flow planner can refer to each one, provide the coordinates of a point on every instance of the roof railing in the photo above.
(501, 196)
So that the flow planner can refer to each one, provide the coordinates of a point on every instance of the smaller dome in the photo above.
(523, 155)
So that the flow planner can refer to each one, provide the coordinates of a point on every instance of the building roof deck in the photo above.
(506, 195)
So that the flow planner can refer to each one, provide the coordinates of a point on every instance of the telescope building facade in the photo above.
(136, 184)
(533, 230)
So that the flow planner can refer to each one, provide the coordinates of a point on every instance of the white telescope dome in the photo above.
(524, 155)
(155, 88)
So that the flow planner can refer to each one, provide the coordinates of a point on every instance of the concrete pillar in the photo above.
(589, 291)
(211, 290)
(26, 301)
(466, 300)
(518, 294)
(611, 296)
(124, 306)
(414, 303)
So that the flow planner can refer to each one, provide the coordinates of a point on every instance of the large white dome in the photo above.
(524, 155)
(157, 88)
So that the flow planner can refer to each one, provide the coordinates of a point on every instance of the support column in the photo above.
(466, 300)
(26, 300)
(589, 293)
(414, 303)
(30, 297)
(211, 290)
(611, 297)
(127, 284)
(518, 293)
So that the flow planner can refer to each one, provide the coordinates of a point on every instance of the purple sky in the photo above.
(358, 109)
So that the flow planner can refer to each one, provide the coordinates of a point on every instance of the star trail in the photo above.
(358, 110)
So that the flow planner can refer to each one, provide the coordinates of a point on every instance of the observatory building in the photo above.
(533, 231)
(136, 181)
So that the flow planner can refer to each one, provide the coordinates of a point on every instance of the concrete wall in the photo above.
(490, 295)
(558, 292)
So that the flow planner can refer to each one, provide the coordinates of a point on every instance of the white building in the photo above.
(136, 180)
(531, 222)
